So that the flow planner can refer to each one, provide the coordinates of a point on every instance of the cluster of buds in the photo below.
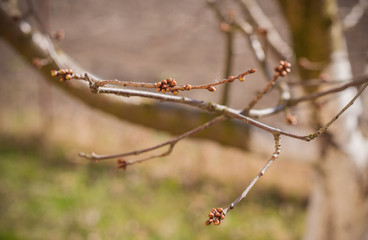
(166, 85)
(122, 164)
(215, 216)
(64, 74)
(283, 69)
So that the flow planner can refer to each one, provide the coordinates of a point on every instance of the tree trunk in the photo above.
(338, 208)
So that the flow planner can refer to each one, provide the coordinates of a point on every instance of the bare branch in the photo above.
(355, 15)
(281, 70)
(324, 128)
(170, 142)
(166, 85)
(316, 95)
(278, 45)
(219, 213)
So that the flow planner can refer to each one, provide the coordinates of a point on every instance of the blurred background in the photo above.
(48, 192)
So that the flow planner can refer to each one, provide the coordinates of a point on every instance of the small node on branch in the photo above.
(211, 89)
(283, 69)
(225, 27)
(187, 87)
(262, 31)
(215, 216)
(122, 164)
(291, 119)
(40, 62)
(58, 35)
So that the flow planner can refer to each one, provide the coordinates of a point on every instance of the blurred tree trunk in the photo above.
(338, 208)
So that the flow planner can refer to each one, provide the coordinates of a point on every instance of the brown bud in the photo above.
(158, 89)
(158, 84)
(164, 82)
(231, 78)
(241, 78)
(220, 210)
(283, 73)
(62, 71)
(282, 62)
(169, 80)
(262, 31)
(68, 77)
(217, 214)
(291, 119)
(173, 83)
(211, 215)
(58, 35)
(163, 90)
(211, 89)
(38, 62)
(213, 210)
(54, 73)
(253, 70)
(208, 222)
(188, 87)
(222, 217)
(225, 27)
(217, 222)
(175, 92)
(122, 164)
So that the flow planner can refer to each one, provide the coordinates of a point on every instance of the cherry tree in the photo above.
(319, 72)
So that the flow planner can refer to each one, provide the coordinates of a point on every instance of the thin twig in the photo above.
(258, 113)
(281, 70)
(252, 9)
(324, 128)
(228, 65)
(166, 85)
(326, 92)
(171, 142)
(229, 39)
(355, 15)
(219, 213)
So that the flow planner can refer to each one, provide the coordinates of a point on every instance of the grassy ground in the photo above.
(45, 195)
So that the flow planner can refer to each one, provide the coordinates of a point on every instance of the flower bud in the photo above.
(188, 87)
(211, 89)
(217, 222)
(54, 73)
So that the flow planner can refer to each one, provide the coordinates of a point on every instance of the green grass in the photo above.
(44, 195)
